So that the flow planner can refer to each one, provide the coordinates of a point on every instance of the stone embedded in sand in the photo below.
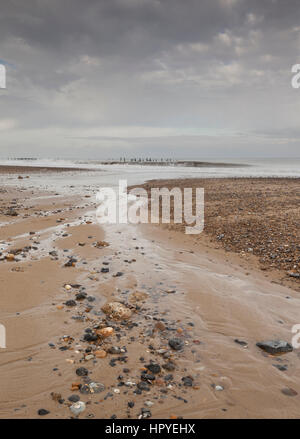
(18, 269)
(219, 388)
(74, 398)
(90, 337)
(275, 346)
(82, 372)
(187, 381)
(80, 296)
(289, 392)
(116, 311)
(176, 343)
(70, 303)
(75, 386)
(160, 326)
(153, 367)
(10, 257)
(43, 412)
(143, 386)
(114, 350)
(105, 332)
(137, 296)
(92, 387)
(100, 354)
(77, 408)
(11, 212)
(101, 244)
(294, 274)
(56, 396)
(68, 287)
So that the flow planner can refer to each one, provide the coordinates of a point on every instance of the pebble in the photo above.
(105, 332)
(77, 408)
(70, 303)
(116, 311)
(74, 398)
(289, 392)
(43, 412)
(149, 403)
(92, 388)
(187, 381)
(143, 386)
(219, 388)
(154, 368)
(275, 346)
(100, 354)
(82, 371)
(169, 366)
(176, 344)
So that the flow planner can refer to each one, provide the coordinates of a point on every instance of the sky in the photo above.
(152, 78)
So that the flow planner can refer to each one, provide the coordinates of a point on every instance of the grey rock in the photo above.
(176, 343)
(275, 346)
(82, 372)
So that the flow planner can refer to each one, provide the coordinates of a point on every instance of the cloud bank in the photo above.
(99, 79)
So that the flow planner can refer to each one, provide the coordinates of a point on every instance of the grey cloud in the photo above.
(84, 72)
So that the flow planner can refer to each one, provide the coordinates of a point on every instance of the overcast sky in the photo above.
(192, 78)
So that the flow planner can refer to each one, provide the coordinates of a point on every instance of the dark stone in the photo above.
(176, 343)
(187, 381)
(154, 368)
(275, 346)
(90, 337)
(147, 376)
(280, 367)
(114, 350)
(70, 303)
(241, 342)
(131, 404)
(43, 412)
(289, 392)
(82, 372)
(143, 386)
(80, 296)
(169, 366)
(168, 377)
(74, 398)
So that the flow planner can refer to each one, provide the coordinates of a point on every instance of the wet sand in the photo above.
(187, 290)
(27, 170)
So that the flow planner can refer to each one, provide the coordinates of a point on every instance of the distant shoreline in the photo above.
(21, 169)
(185, 163)
(13, 169)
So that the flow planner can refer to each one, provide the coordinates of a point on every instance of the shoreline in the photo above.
(23, 169)
(184, 163)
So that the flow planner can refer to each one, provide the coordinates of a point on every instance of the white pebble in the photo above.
(77, 408)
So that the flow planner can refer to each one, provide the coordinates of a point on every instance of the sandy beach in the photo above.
(181, 341)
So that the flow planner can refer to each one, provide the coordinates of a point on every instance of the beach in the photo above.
(181, 341)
